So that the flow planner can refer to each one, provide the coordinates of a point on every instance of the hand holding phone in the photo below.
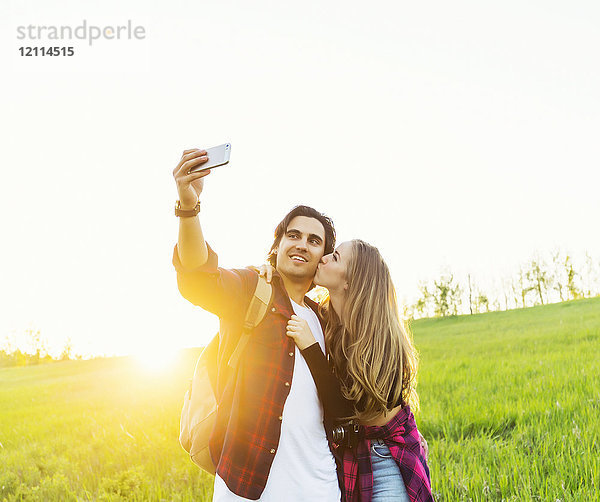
(217, 156)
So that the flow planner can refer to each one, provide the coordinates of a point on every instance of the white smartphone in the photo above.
(217, 156)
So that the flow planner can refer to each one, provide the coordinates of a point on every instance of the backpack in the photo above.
(199, 412)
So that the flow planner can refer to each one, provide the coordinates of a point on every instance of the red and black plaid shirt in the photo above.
(402, 438)
(250, 410)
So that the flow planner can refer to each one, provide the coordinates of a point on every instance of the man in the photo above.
(269, 442)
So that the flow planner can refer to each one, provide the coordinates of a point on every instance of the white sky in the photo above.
(460, 134)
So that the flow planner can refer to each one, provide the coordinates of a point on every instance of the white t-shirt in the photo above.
(303, 467)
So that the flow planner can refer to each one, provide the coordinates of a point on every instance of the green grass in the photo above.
(510, 405)
(95, 430)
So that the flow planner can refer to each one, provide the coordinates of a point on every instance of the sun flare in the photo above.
(155, 358)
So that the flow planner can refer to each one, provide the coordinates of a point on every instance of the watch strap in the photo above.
(186, 213)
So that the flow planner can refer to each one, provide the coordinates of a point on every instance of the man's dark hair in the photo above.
(309, 212)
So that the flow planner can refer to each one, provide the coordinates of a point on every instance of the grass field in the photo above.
(510, 405)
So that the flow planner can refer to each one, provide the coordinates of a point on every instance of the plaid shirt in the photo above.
(402, 438)
(250, 410)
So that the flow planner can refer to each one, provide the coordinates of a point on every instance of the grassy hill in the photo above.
(510, 404)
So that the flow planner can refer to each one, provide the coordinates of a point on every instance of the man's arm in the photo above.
(225, 293)
(191, 245)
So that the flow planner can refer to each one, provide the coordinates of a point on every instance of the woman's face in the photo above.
(331, 272)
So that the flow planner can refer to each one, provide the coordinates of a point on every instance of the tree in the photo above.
(521, 288)
(564, 277)
(32, 349)
(538, 278)
(423, 304)
(470, 294)
(505, 287)
(482, 303)
(572, 287)
(38, 348)
(67, 350)
(558, 276)
(446, 295)
(514, 288)
(590, 280)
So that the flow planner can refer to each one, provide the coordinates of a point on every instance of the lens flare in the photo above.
(156, 358)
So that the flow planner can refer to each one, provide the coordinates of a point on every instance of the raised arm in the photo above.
(223, 292)
(191, 245)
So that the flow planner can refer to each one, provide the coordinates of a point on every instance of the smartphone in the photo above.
(217, 156)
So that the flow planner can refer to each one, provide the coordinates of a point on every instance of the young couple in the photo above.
(272, 440)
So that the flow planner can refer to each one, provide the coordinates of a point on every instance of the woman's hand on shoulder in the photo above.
(297, 328)
(266, 271)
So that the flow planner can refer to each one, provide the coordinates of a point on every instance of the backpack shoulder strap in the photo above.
(254, 315)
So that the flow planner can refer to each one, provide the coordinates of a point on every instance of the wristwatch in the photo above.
(186, 213)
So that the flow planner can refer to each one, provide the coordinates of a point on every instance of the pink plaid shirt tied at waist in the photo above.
(402, 438)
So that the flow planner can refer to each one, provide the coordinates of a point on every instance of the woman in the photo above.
(375, 364)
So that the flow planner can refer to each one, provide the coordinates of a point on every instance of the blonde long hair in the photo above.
(370, 346)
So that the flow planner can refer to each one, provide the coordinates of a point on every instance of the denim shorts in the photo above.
(388, 485)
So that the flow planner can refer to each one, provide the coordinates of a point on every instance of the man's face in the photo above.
(301, 248)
